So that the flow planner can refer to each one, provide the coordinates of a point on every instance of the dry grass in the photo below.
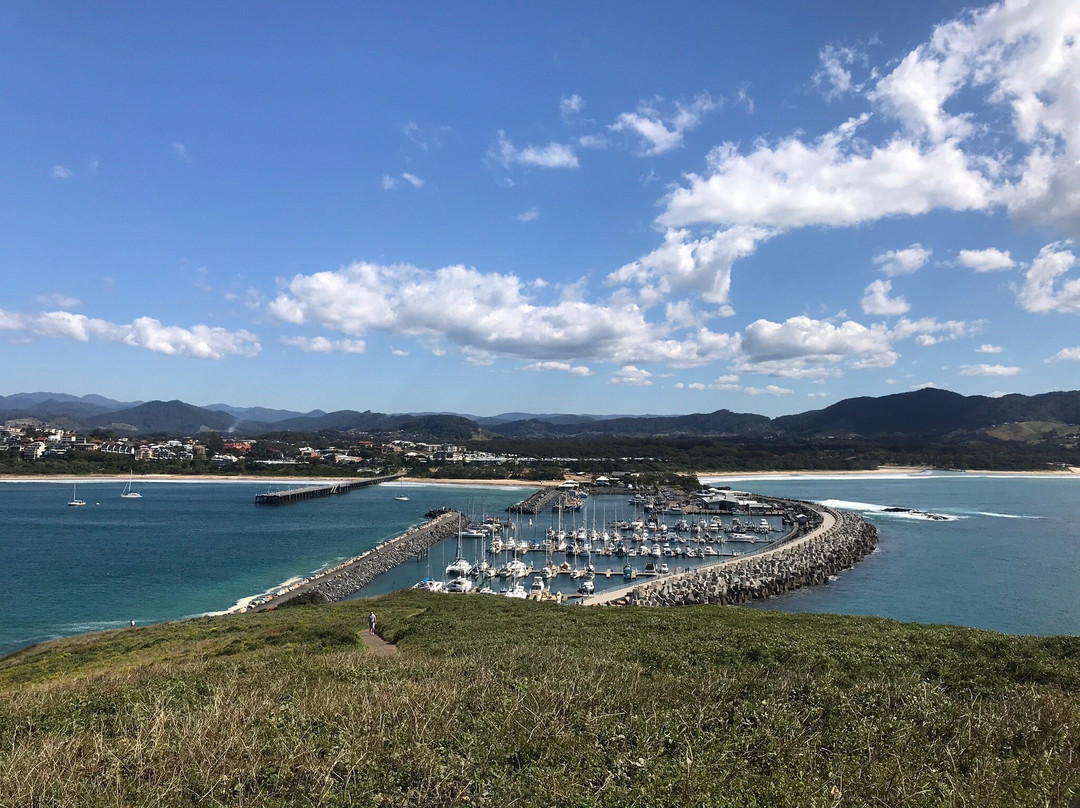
(495, 703)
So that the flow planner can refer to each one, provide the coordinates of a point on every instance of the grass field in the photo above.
(501, 703)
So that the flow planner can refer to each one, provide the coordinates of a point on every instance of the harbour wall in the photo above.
(839, 541)
(349, 576)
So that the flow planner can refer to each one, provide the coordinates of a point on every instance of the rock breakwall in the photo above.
(840, 541)
(349, 576)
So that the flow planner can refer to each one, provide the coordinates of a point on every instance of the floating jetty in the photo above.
(291, 495)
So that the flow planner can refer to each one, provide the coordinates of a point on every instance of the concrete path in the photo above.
(379, 646)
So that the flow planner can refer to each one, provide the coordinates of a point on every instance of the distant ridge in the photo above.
(927, 413)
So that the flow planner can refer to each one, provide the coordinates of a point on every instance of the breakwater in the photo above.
(346, 578)
(316, 491)
(835, 541)
(536, 501)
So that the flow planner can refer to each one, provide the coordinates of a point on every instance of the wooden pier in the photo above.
(316, 491)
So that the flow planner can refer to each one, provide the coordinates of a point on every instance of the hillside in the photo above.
(494, 703)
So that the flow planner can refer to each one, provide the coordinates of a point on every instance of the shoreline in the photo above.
(881, 471)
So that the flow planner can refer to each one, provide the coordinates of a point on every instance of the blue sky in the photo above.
(572, 207)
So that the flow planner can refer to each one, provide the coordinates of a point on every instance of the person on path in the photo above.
(371, 623)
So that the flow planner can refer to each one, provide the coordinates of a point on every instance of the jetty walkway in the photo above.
(349, 576)
(291, 495)
(839, 541)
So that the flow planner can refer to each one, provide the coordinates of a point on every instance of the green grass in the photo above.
(492, 702)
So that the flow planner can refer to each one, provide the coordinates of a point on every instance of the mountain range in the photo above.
(928, 413)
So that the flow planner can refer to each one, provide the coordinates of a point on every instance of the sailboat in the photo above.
(128, 493)
(75, 501)
(401, 494)
(459, 567)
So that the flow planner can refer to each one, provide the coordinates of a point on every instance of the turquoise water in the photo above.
(1009, 558)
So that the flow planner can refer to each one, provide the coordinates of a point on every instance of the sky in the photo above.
(604, 207)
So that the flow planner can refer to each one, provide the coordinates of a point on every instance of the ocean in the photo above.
(1006, 558)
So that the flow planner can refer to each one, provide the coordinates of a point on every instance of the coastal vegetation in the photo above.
(492, 702)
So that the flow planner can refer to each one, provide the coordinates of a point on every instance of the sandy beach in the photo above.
(1071, 471)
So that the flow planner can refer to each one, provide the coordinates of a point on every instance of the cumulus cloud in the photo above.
(529, 215)
(876, 300)
(988, 370)
(412, 179)
(492, 314)
(988, 348)
(203, 342)
(563, 367)
(632, 376)
(661, 132)
(1041, 291)
(683, 263)
(832, 181)
(988, 260)
(802, 347)
(1066, 355)
(323, 345)
(902, 262)
(553, 155)
(59, 172)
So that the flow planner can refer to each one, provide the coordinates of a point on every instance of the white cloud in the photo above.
(1067, 355)
(682, 263)
(59, 299)
(876, 300)
(834, 181)
(593, 142)
(553, 155)
(1040, 291)
(59, 172)
(988, 370)
(181, 152)
(323, 345)
(768, 390)
(203, 342)
(571, 106)
(392, 183)
(729, 383)
(490, 314)
(833, 78)
(661, 132)
(818, 394)
(563, 367)
(529, 215)
(902, 262)
(630, 375)
(926, 386)
(988, 348)
(398, 352)
(988, 260)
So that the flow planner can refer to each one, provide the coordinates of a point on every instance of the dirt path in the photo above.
(379, 646)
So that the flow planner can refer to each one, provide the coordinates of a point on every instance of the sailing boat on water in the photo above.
(128, 493)
(75, 501)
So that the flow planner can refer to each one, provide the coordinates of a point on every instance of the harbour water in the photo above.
(1007, 558)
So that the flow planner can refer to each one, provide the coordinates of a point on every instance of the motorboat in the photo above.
(459, 585)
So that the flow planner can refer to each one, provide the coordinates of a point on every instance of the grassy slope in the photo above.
(511, 703)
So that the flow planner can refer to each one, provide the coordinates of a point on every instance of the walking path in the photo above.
(379, 646)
